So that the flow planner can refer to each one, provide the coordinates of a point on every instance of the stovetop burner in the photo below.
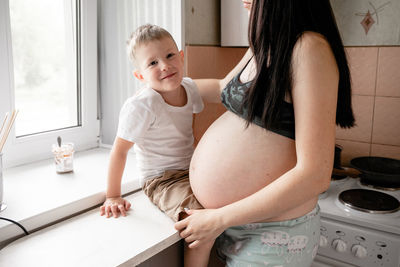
(379, 186)
(369, 201)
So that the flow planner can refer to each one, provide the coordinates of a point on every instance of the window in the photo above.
(48, 68)
(45, 60)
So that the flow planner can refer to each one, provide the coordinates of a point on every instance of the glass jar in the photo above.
(63, 157)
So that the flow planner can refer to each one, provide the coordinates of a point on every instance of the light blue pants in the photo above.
(273, 244)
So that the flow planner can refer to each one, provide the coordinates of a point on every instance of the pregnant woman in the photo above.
(259, 168)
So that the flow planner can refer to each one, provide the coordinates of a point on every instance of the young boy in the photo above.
(158, 120)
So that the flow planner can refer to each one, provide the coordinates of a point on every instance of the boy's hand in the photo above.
(113, 206)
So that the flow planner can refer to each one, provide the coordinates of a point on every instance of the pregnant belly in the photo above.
(232, 161)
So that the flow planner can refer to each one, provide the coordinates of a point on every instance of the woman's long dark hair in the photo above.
(274, 28)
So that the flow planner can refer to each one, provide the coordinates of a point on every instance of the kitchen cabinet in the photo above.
(234, 23)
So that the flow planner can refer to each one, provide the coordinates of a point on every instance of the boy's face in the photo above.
(160, 65)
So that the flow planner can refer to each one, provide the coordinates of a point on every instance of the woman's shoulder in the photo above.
(310, 37)
(311, 42)
(312, 47)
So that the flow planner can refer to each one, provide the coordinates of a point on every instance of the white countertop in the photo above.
(92, 240)
(36, 196)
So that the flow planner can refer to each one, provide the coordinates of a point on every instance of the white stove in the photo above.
(350, 237)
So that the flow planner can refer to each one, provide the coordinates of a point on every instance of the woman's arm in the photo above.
(210, 89)
(314, 95)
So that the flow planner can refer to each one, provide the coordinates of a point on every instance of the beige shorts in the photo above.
(172, 193)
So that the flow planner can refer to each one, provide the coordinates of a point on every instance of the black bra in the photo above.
(233, 95)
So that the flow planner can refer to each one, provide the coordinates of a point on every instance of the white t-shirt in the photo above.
(162, 133)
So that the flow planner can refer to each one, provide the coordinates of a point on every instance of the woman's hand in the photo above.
(200, 227)
(113, 206)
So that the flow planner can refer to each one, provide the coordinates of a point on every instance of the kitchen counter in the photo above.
(61, 213)
(36, 196)
(92, 240)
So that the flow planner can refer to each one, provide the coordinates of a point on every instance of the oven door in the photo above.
(322, 261)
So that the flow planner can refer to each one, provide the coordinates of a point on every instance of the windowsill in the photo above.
(41, 197)
(91, 240)
(36, 196)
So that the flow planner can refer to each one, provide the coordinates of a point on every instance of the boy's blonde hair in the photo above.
(143, 35)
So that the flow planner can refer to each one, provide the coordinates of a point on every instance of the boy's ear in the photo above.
(181, 54)
(138, 75)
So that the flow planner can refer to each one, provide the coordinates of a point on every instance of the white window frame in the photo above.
(35, 147)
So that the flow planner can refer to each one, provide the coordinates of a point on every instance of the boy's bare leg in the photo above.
(197, 257)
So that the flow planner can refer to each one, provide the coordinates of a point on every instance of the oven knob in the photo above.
(339, 245)
(359, 251)
(323, 241)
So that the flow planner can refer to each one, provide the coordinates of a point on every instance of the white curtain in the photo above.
(117, 19)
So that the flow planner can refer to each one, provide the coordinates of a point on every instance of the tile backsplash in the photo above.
(376, 96)
(376, 103)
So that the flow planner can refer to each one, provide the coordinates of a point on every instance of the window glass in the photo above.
(45, 59)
